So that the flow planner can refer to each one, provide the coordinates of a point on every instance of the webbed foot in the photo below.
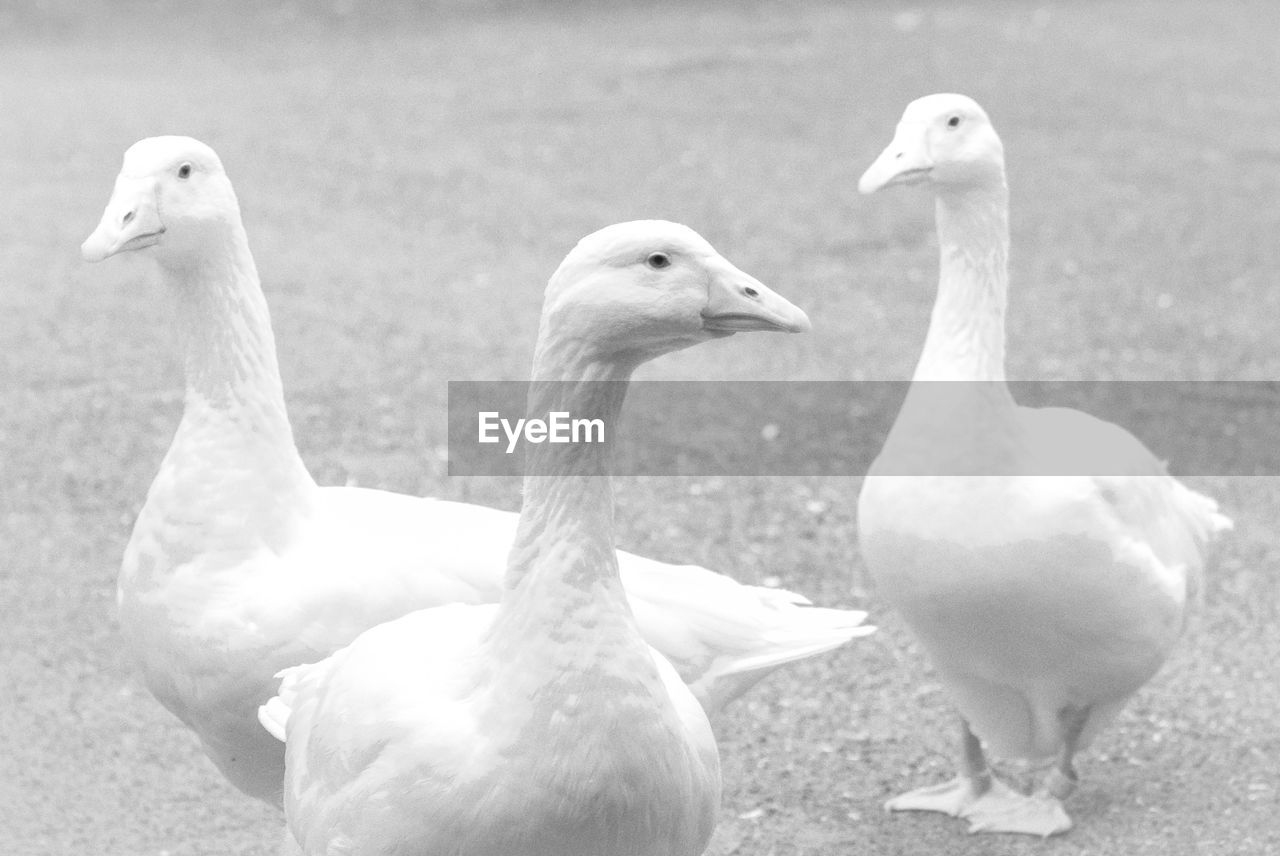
(1040, 814)
(952, 797)
(990, 806)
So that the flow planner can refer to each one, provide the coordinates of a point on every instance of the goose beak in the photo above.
(130, 222)
(905, 161)
(739, 303)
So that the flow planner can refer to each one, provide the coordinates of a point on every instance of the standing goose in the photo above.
(544, 725)
(240, 565)
(1045, 601)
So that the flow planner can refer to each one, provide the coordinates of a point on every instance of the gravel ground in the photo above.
(409, 183)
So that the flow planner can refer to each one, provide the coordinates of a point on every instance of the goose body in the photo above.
(239, 565)
(463, 752)
(1044, 558)
(206, 636)
(545, 725)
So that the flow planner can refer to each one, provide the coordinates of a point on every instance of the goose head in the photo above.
(171, 196)
(633, 291)
(944, 139)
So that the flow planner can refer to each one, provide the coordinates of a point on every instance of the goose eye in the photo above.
(658, 261)
(184, 171)
(953, 122)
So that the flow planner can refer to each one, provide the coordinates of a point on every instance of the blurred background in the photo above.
(411, 173)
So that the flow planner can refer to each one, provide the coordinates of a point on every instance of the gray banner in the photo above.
(838, 428)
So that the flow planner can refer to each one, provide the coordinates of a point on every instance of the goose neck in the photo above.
(234, 409)
(966, 339)
(568, 496)
(228, 346)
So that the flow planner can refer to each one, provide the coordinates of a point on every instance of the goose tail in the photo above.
(274, 715)
(1202, 524)
(722, 636)
(796, 632)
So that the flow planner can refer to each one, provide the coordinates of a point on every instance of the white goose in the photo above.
(545, 725)
(240, 565)
(1045, 601)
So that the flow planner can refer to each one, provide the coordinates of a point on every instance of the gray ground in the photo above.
(409, 183)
